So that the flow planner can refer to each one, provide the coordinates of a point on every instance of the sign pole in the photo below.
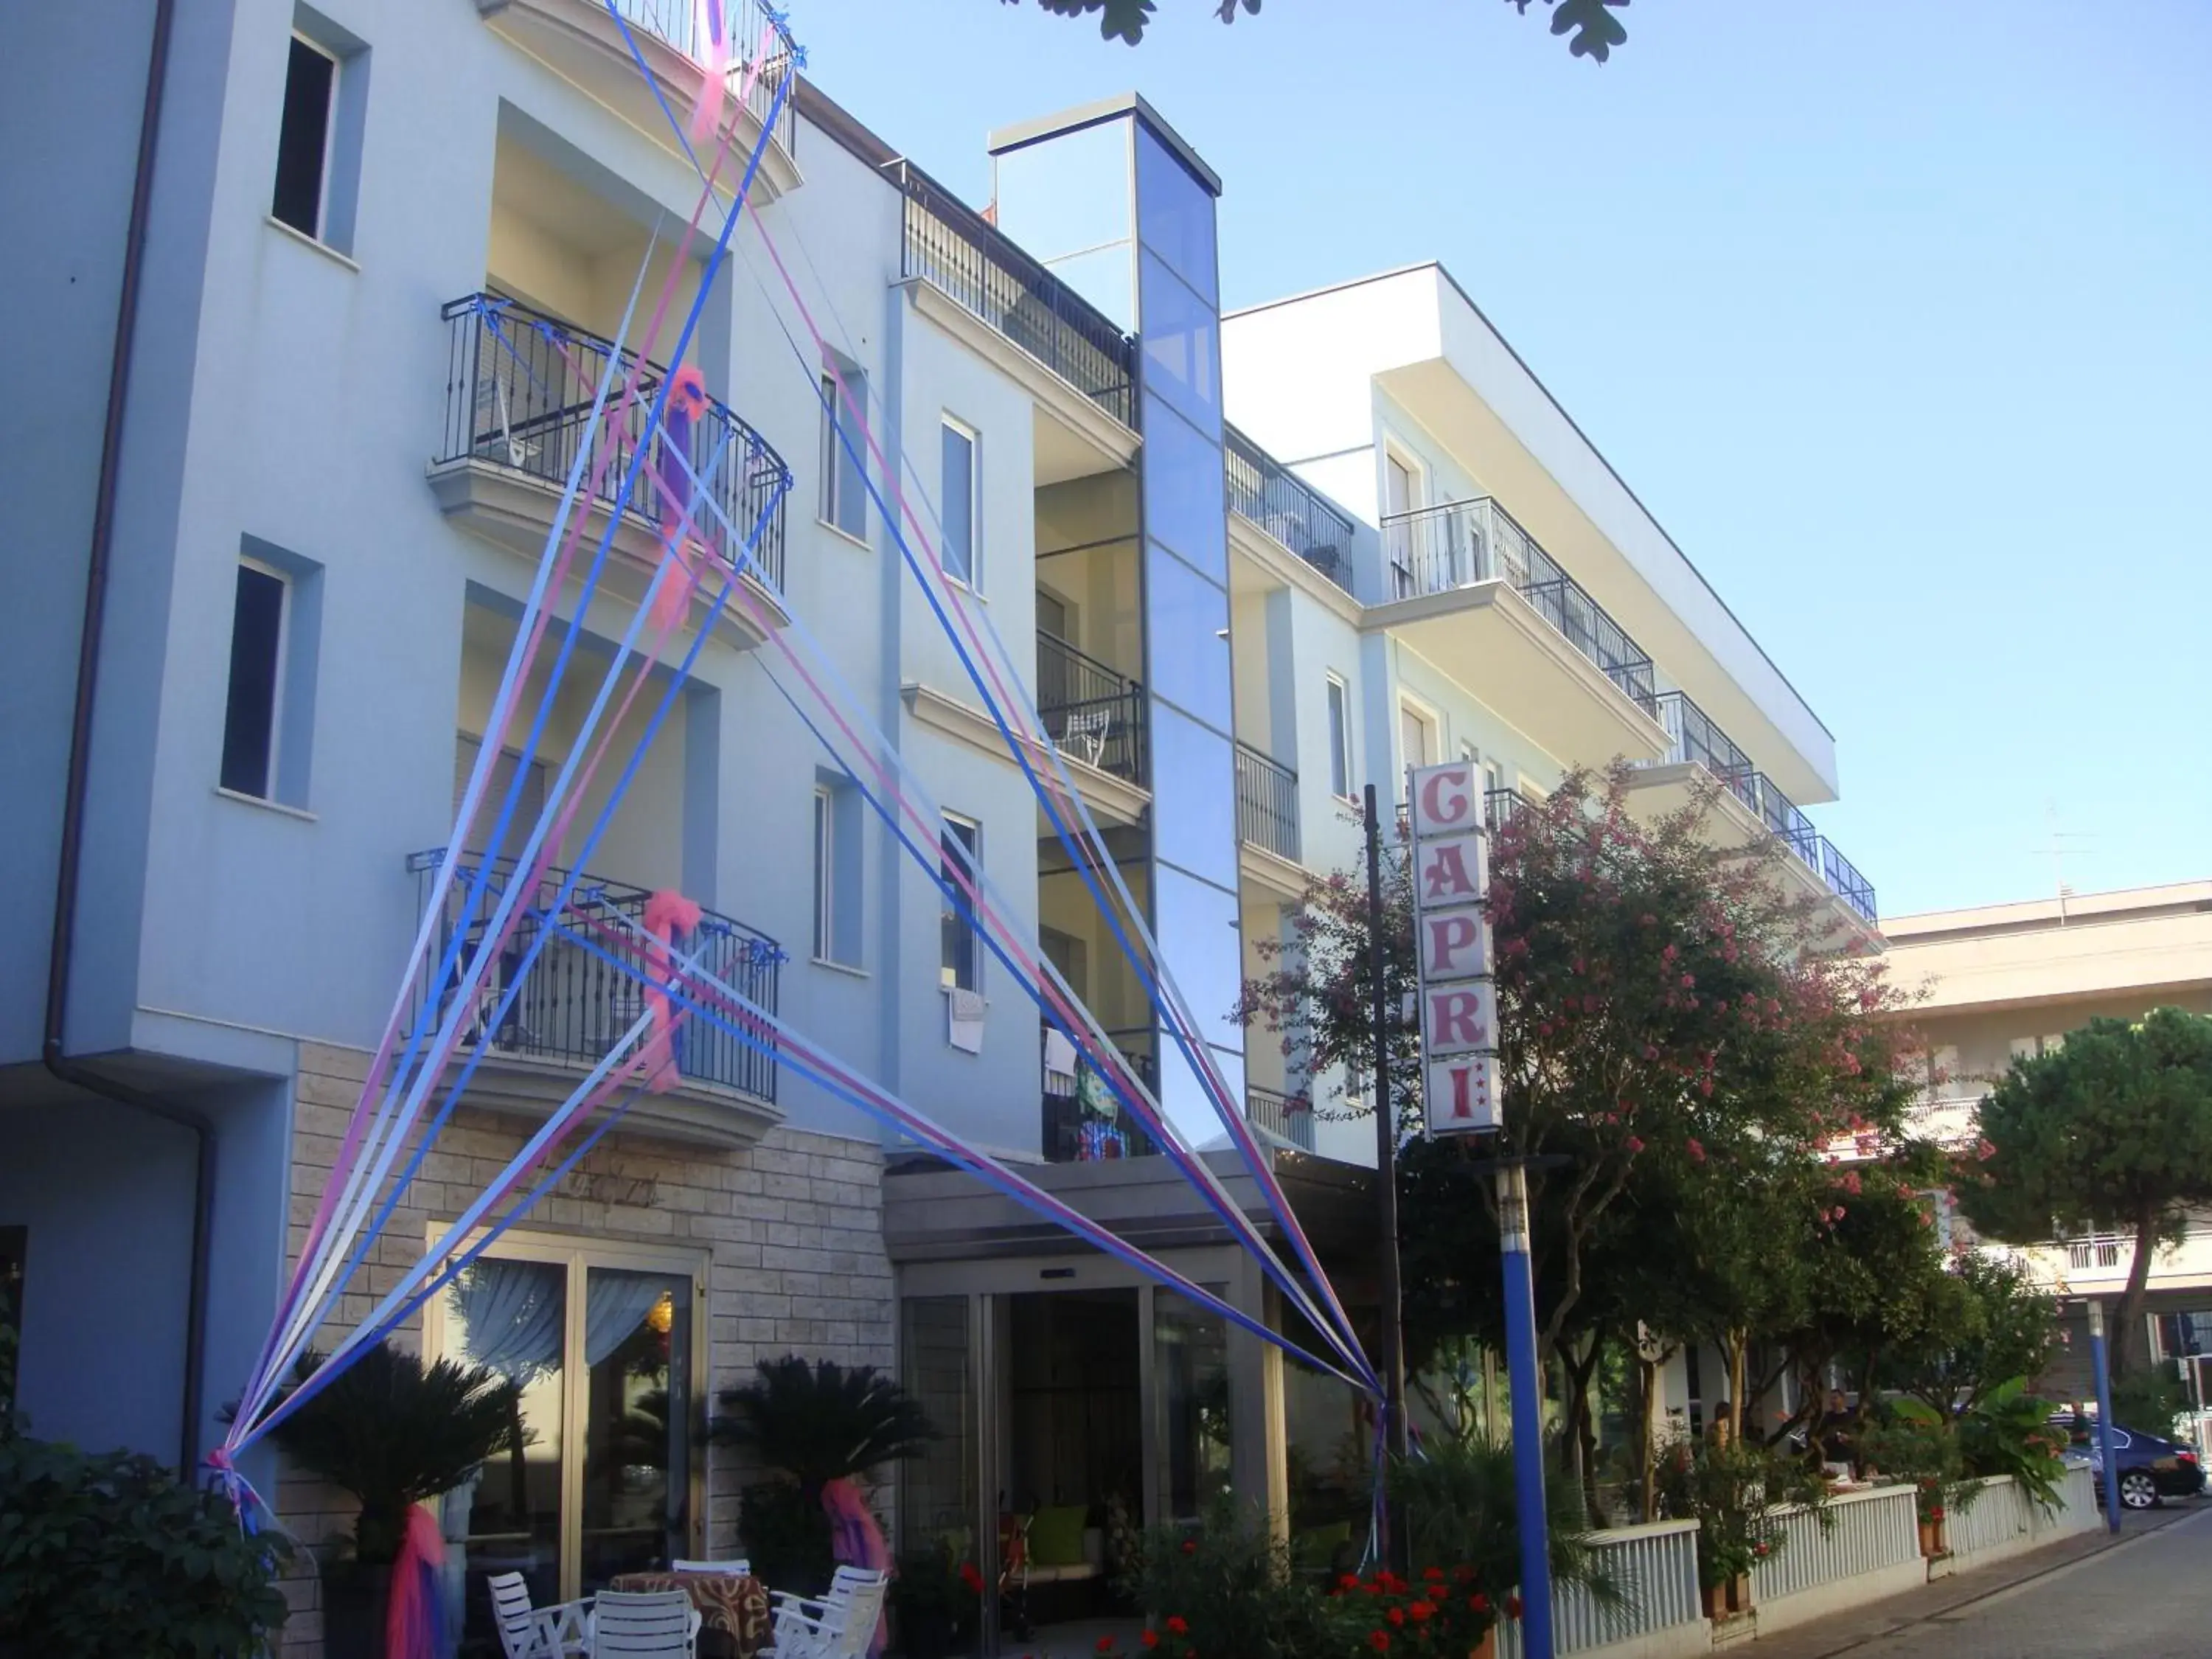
(1392, 1542)
(1459, 1095)
(1529, 1508)
(2099, 1364)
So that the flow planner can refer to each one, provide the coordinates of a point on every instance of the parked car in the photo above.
(2151, 1465)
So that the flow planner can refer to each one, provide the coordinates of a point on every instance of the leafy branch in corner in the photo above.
(1595, 29)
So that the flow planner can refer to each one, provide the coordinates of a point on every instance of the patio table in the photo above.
(731, 1605)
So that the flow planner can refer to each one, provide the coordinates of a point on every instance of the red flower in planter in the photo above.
(1935, 1514)
(1190, 1546)
(1433, 1574)
(1421, 1611)
(1151, 1638)
(1347, 1581)
(1512, 1607)
(1177, 1625)
(1105, 1645)
(1379, 1640)
(1396, 1615)
(1479, 1603)
(971, 1576)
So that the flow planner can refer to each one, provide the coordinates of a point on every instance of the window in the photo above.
(844, 441)
(303, 140)
(257, 662)
(319, 131)
(1417, 736)
(837, 870)
(1340, 739)
(529, 800)
(956, 509)
(962, 851)
(825, 874)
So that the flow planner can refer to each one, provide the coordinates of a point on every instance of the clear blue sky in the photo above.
(1898, 315)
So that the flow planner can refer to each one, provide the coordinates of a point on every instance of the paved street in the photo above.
(2147, 1596)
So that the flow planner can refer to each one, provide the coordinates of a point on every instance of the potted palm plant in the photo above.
(393, 1432)
(810, 1423)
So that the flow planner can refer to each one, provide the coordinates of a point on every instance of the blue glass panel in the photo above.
(1197, 931)
(1194, 799)
(1067, 193)
(1175, 215)
(1105, 277)
(1189, 655)
(1184, 503)
(1182, 340)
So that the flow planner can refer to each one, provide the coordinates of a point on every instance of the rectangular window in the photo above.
(844, 484)
(1340, 739)
(1417, 736)
(257, 661)
(303, 139)
(962, 851)
(825, 874)
(956, 503)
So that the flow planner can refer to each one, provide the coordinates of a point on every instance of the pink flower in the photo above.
(1635, 1144)
(1696, 1150)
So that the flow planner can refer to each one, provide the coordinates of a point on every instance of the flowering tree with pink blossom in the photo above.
(1672, 1038)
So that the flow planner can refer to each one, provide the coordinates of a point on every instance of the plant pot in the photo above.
(1931, 1539)
(355, 1597)
(1486, 1648)
(1739, 1593)
(1714, 1597)
(926, 1633)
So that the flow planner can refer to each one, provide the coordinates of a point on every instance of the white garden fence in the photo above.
(1654, 1570)
(1867, 1544)
(2000, 1518)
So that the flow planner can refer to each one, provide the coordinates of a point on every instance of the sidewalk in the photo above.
(1842, 1632)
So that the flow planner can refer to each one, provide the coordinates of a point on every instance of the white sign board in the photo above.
(1451, 937)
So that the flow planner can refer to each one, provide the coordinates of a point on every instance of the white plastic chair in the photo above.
(1086, 734)
(841, 1626)
(528, 1633)
(736, 1569)
(658, 1625)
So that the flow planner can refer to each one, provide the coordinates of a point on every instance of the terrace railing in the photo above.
(574, 1005)
(1269, 494)
(1090, 711)
(520, 388)
(955, 249)
(1288, 1115)
(752, 30)
(1080, 1131)
(1457, 545)
(1267, 804)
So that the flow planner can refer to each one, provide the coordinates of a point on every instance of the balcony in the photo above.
(1091, 1126)
(1499, 808)
(1473, 592)
(1267, 804)
(976, 283)
(519, 397)
(1272, 499)
(1695, 741)
(1090, 712)
(586, 47)
(574, 1006)
(1286, 1116)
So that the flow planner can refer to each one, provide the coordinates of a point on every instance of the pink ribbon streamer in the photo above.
(415, 1618)
(667, 914)
(855, 1539)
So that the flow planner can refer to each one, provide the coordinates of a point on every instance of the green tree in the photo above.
(2113, 1131)
(2000, 1328)
(1593, 29)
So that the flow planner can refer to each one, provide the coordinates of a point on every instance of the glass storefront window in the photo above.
(637, 1346)
(512, 1317)
(937, 1490)
(1190, 1369)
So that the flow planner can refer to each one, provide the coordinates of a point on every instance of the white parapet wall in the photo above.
(1858, 1548)
(1998, 1518)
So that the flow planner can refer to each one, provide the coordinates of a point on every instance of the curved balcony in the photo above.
(519, 397)
(573, 1006)
(601, 52)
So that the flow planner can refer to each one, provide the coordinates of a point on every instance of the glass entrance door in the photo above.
(604, 1343)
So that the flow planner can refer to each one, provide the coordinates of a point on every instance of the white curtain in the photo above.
(511, 1314)
(616, 1303)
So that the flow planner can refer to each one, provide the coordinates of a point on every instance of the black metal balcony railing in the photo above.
(574, 1006)
(1267, 804)
(1090, 711)
(949, 245)
(1267, 493)
(1286, 1115)
(1459, 543)
(752, 28)
(1092, 1124)
(518, 391)
(1697, 738)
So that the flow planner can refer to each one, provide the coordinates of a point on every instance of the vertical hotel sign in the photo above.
(1451, 935)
